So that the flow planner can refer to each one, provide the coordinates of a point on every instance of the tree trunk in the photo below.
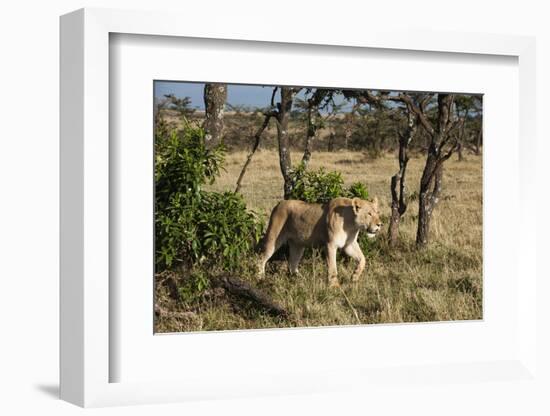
(215, 96)
(395, 219)
(430, 189)
(348, 126)
(310, 134)
(424, 213)
(285, 162)
(459, 151)
(330, 144)
(399, 199)
(461, 134)
(430, 183)
(478, 141)
(313, 121)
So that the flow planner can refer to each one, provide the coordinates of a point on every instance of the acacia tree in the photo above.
(440, 149)
(215, 96)
(398, 180)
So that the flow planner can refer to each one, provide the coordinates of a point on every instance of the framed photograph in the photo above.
(287, 213)
(254, 202)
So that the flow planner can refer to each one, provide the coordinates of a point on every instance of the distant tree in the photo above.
(349, 122)
(478, 128)
(240, 108)
(160, 104)
(215, 96)
(181, 105)
(332, 121)
(170, 101)
(371, 123)
(464, 106)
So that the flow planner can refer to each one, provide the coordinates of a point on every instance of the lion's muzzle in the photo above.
(372, 230)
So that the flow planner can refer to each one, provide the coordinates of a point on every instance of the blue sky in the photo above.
(244, 95)
(248, 95)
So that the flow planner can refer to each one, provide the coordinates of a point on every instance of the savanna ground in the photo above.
(440, 283)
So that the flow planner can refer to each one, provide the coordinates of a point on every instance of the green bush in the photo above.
(357, 190)
(192, 225)
(321, 186)
(183, 164)
(226, 228)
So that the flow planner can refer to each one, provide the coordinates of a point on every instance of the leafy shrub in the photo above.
(316, 186)
(191, 224)
(183, 164)
(321, 186)
(357, 190)
(226, 228)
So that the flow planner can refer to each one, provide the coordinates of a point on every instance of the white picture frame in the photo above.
(85, 353)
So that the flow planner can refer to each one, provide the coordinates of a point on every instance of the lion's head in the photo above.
(367, 216)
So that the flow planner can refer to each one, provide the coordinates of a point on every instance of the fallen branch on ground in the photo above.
(244, 290)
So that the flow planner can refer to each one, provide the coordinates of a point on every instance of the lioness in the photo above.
(334, 225)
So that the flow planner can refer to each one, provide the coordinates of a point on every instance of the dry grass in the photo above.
(443, 282)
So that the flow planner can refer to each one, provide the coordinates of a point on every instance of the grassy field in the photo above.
(440, 283)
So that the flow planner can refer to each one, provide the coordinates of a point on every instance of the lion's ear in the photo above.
(356, 206)
(375, 202)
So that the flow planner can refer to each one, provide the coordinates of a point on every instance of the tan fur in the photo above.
(334, 225)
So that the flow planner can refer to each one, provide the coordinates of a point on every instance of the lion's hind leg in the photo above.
(275, 236)
(270, 247)
(296, 252)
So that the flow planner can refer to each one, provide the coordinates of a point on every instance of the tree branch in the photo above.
(419, 111)
(255, 146)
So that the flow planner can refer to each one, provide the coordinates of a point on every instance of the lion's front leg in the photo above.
(354, 251)
(331, 263)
